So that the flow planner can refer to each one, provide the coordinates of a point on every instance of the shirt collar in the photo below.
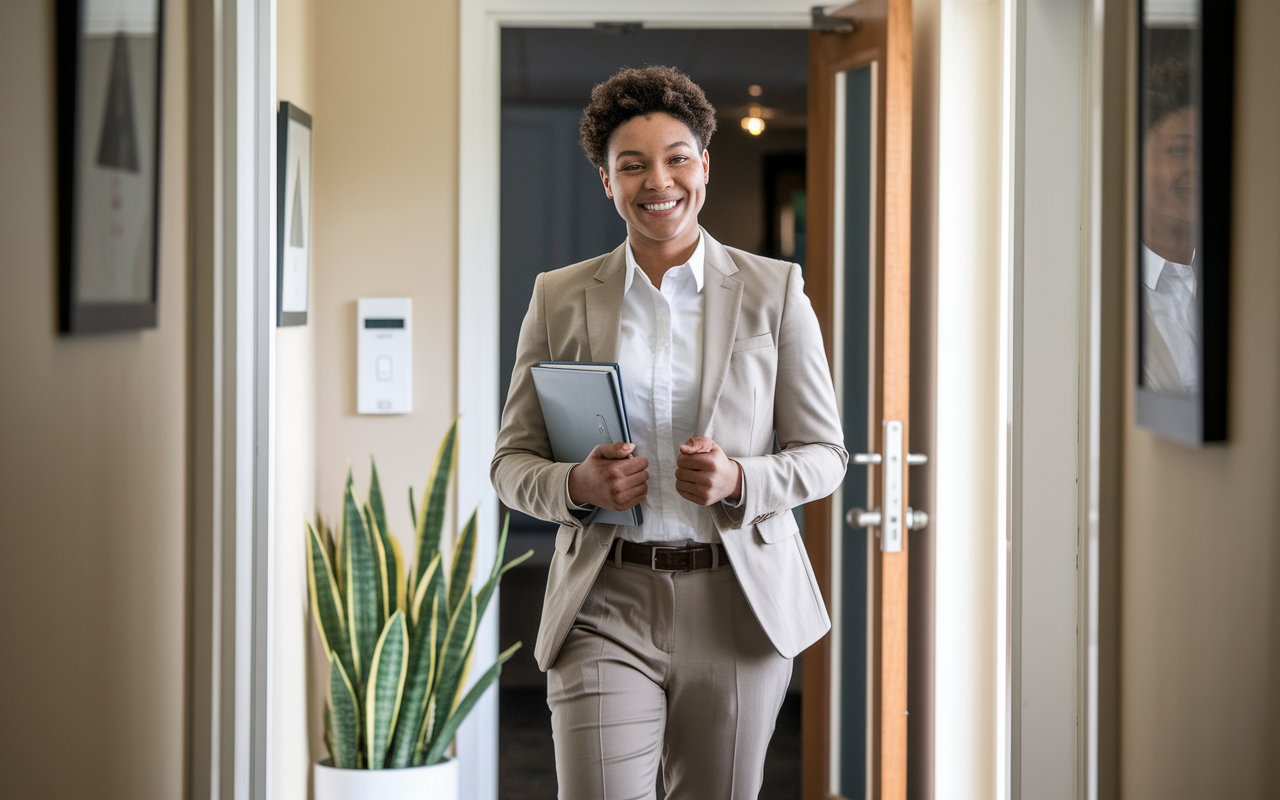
(1153, 264)
(696, 263)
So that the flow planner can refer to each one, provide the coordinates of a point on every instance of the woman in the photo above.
(670, 643)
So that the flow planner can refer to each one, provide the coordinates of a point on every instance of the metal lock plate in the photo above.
(891, 505)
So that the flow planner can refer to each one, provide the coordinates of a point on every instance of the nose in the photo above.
(658, 178)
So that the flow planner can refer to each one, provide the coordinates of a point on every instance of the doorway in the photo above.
(553, 212)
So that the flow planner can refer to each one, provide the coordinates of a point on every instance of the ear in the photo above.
(706, 166)
(604, 178)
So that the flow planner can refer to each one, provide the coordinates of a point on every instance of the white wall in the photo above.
(294, 428)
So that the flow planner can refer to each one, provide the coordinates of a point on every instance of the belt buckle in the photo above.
(653, 559)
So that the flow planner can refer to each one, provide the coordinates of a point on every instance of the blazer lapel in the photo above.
(604, 306)
(722, 298)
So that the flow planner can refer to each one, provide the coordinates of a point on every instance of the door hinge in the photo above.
(829, 23)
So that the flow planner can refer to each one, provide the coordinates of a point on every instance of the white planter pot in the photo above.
(436, 782)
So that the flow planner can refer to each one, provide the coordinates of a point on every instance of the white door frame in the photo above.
(231, 323)
(1056, 539)
(479, 149)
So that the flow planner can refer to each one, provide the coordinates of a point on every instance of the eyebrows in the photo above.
(637, 153)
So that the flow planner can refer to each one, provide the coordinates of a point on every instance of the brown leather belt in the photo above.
(670, 559)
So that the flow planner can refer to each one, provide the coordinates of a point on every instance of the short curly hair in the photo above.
(640, 92)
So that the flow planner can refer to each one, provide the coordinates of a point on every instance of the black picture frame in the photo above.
(110, 122)
(1186, 79)
(293, 215)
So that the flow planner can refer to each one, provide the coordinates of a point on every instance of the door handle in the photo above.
(893, 515)
(869, 459)
(858, 518)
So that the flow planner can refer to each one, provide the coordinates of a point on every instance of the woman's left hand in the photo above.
(705, 475)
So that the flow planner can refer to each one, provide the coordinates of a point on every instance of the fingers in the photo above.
(622, 498)
(696, 477)
(697, 460)
(613, 450)
(699, 444)
(697, 493)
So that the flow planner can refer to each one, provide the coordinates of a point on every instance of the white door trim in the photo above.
(480, 26)
(1048, 396)
(232, 169)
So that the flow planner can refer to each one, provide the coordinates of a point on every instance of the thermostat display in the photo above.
(384, 363)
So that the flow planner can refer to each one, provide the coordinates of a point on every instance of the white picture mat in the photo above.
(296, 269)
(115, 205)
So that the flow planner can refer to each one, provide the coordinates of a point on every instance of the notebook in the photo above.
(583, 406)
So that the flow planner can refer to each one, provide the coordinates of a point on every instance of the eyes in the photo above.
(637, 166)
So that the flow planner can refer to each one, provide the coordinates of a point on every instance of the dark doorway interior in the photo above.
(554, 213)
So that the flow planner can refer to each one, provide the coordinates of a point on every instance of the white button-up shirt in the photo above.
(660, 359)
(1170, 293)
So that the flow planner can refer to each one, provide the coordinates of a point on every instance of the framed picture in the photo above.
(1185, 87)
(293, 215)
(110, 57)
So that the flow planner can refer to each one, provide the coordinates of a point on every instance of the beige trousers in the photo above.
(667, 668)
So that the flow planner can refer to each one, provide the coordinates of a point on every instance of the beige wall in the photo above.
(92, 473)
(1200, 593)
(386, 190)
(295, 459)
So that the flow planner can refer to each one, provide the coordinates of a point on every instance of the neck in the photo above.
(655, 258)
(1168, 238)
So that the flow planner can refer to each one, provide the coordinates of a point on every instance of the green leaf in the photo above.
(362, 590)
(384, 557)
(420, 752)
(386, 687)
(344, 718)
(486, 591)
(326, 601)
(450, 727)
(431, 521)
(464, 561)
(413, 510)
(396, 566)
(328, 727)
(421, 673)
(426, 591)
(375, 497)
(453, 662)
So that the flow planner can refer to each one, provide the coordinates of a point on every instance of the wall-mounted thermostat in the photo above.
(384, 364)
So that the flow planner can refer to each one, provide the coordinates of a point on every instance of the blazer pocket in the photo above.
(753, 342)
(565, 537)
(778, 527)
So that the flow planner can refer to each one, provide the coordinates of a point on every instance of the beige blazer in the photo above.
(764, 374)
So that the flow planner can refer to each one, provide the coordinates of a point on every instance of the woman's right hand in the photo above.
(610, 478)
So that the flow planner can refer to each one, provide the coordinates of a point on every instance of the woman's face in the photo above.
(657, 176)
(1169, 174)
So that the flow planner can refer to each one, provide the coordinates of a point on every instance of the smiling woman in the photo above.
(647, 131)
(720, 356)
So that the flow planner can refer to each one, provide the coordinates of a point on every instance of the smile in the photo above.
(667, 206)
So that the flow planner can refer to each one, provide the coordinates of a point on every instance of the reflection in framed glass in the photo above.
(1185, 87)
(110, 59)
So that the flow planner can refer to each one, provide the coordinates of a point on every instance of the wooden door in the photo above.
(859, 212)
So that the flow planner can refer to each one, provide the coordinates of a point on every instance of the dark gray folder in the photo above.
(582, 406)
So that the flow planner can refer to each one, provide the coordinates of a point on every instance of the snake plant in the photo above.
(400, 641)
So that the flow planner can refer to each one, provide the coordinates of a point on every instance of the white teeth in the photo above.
(667, 206)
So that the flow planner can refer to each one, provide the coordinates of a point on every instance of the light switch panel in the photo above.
(384, 361)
